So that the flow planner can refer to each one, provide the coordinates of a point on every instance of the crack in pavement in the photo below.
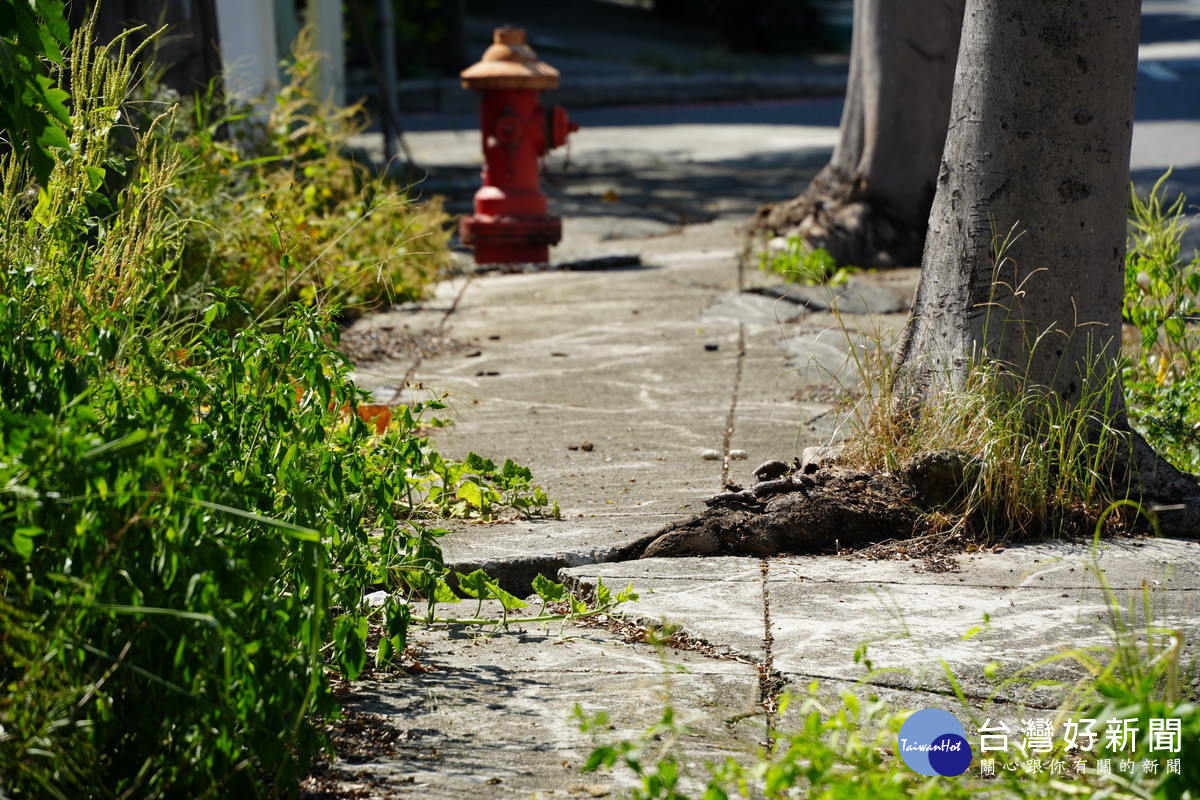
(411, 372)
(731, 418)
(770, 682)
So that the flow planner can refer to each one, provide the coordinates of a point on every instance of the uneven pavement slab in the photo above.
(493, 716)
(1016, 607)
(626, 395)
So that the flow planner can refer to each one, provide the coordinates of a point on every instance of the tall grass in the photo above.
(1029, 462)
(1032, 464)
(278, 208)
(191, 511)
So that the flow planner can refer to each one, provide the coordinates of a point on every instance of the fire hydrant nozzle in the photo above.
(511, 223)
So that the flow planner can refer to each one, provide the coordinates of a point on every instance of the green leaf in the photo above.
(471, 493)
(53, 22)
(95, 176)
(509, 601)
(153, 611)
(350, 638)
(479, 465)
(384, 654)
(626, 595)
(116, 445)
(290, 530)
(512, 471)
(475, 585)
(548, 590)
(442, 593)
(22, 539)
(577, 605)
(396, 618)
(603, 593)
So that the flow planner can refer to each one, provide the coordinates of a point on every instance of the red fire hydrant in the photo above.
(511, 223)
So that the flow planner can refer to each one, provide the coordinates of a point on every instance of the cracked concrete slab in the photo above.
(1017, 607)
(719, 600)
(857, 295)
(493, 715)
(752, 309)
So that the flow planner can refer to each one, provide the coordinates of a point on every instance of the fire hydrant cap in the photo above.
(509, 63)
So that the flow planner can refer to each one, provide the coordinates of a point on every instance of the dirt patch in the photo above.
(392, 343)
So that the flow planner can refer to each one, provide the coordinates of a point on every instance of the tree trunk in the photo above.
(1038, 152)
(187, 52)
(869, 206)
(1024, 262)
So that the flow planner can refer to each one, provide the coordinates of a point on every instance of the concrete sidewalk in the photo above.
(658, 367)
(634, 394)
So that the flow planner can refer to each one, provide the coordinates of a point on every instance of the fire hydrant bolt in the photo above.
(511, 223)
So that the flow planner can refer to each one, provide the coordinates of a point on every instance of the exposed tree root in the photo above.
(818, 509)
(798, 513)
(840, 213)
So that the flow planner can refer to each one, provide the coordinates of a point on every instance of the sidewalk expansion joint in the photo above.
(730, 420)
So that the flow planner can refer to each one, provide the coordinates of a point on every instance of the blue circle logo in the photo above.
(934, 742)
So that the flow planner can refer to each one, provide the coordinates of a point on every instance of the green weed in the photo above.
(192, 508)
(279, 211)
(1162, 371)
(1032, 463)
(800, 263)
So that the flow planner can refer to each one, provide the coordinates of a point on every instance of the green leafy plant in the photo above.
(799, 263)
(477, 487)
(1162, 372)
(34, 114)
(193, 509)
(1032, 464)
(280, 211)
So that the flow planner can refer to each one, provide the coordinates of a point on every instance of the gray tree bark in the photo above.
(869, 206)
(1025, 254)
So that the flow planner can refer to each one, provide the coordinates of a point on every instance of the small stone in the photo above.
(710, 455)
(738, 455)
(587, 447)
(572, 447)
(375, 599)
(770, 470)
